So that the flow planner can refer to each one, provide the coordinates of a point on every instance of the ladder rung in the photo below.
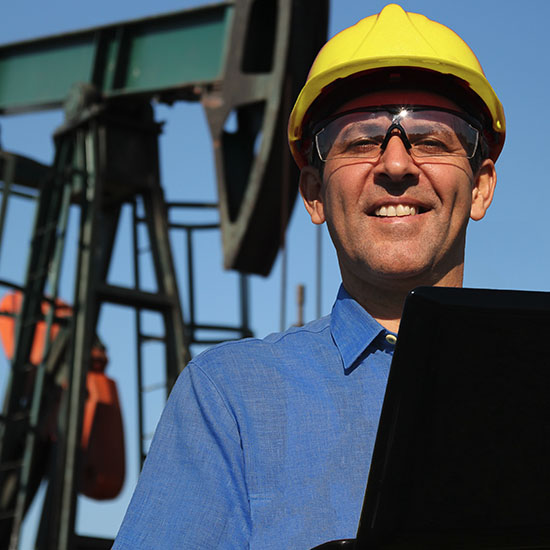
(153, 387)
(151, 338)
(132, 297)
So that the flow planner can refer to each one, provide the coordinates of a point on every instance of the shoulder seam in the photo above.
(277, 337)
(290, 332)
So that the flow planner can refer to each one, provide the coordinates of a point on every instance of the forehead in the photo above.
(399, 97)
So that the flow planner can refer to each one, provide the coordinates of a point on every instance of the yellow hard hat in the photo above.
(395, 38)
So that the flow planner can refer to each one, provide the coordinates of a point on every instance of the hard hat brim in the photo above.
(315, 86)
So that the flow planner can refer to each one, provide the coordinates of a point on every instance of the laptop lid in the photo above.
(462, 455)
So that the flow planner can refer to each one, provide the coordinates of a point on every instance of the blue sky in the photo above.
(508, 249)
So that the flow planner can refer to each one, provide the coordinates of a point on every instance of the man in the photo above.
(267, 443)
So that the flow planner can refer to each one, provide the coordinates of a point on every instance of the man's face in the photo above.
(399, 218)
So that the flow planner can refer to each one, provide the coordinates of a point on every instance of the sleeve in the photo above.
(192, 491)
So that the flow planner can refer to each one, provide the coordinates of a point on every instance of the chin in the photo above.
(408, 275)
(411, 274)
(403, 268)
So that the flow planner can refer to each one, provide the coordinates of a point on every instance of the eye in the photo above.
(363, 143)
(429, 143)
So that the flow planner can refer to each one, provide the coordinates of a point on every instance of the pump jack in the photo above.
(243, 57)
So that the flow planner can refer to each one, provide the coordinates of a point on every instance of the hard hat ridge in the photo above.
(395, 39)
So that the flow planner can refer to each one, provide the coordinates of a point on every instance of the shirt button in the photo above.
(391, 339)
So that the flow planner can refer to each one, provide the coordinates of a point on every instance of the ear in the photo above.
(311, 184)
(483, 189)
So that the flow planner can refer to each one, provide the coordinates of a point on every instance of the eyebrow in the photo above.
(425, 126)
(352, 127)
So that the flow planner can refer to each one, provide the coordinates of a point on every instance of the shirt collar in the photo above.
(353, 329)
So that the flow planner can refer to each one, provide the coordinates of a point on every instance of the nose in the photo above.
(395, 162)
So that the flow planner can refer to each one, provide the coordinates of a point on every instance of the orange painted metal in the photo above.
(102, 443)
(11, 304)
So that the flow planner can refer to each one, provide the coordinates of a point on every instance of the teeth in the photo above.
(392, 211)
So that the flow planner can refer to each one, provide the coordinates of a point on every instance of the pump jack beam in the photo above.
(246, 58)
(168, 55)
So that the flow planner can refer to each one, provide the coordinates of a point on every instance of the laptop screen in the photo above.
(462, 455)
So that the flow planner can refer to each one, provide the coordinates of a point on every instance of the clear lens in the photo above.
(431, 134)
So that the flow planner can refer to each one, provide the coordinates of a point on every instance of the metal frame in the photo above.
(108, 121)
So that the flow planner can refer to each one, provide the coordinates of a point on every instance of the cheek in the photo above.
(355, 170)
(453, 187)
(345, 183)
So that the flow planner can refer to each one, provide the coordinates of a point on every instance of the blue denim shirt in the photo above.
(266, 444)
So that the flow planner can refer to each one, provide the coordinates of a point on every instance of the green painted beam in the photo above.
(172, 53)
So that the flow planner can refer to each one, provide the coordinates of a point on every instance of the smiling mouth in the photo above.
(397, 211)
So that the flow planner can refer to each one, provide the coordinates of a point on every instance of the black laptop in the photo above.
(462, 454)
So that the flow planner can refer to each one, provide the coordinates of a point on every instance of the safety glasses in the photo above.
(426, 132)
